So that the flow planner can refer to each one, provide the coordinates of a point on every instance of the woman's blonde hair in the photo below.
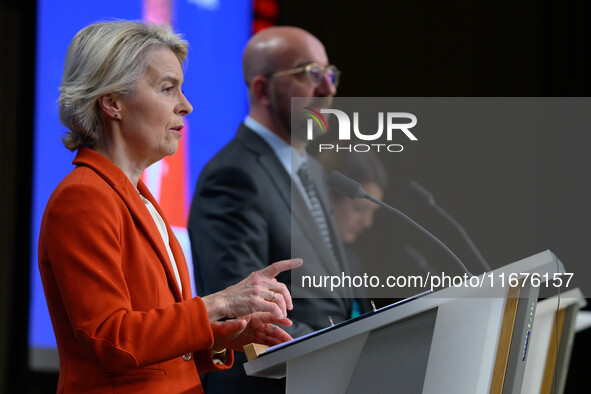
(106, 57)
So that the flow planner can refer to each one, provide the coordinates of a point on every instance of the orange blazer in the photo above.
(120, 321)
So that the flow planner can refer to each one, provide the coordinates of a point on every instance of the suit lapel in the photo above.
(278, 176)
(269, 161)
(290, 194)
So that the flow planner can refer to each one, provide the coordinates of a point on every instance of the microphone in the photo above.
(348, 187)
(428, 200)
(345, 185)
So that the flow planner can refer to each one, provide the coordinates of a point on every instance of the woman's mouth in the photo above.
(177, 130)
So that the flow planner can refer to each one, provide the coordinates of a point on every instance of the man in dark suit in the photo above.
(263, 199)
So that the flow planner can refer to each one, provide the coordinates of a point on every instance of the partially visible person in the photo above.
(114, 275)
(353, 217)
(262, 198)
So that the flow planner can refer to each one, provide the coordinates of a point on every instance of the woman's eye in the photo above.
(168, 90)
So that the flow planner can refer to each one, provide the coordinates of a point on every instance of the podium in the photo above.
(551, 344)
(457, 340)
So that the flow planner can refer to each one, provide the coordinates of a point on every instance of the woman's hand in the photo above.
(257, 327)
(258, 292)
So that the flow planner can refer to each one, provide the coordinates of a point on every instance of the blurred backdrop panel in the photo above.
(217, 32)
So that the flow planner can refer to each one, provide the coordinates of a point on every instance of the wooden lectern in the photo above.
(456, 340)
(551, 344)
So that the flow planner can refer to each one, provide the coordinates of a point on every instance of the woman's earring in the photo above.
(116, 115)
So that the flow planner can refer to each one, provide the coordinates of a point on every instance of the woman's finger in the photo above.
(280, 288)
(265, 305)
(280, 266)
(279, 301)
(277, 333)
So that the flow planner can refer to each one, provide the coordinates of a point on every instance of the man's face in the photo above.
(283, 88)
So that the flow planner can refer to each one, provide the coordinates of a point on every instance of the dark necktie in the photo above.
(316, 208)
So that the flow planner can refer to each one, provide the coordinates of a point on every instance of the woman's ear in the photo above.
(110, 105)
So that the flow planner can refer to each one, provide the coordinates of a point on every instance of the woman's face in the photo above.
(355, 216)
(152, 115)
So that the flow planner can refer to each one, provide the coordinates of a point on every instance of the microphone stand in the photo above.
(415, 224)
(428, 200)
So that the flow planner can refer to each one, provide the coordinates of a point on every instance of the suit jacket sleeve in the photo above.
(83, 242)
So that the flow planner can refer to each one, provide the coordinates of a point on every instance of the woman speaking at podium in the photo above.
(115, 279)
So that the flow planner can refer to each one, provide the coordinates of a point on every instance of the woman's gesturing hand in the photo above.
(257, 327)
(258, 292)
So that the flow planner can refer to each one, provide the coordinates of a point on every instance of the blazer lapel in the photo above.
(147, 223)
(177, 252)
(123, 187)
(179, 256)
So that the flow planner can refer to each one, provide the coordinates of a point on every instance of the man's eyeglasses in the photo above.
(314, 72)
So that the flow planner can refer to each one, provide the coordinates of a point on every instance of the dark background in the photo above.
(398, 48)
